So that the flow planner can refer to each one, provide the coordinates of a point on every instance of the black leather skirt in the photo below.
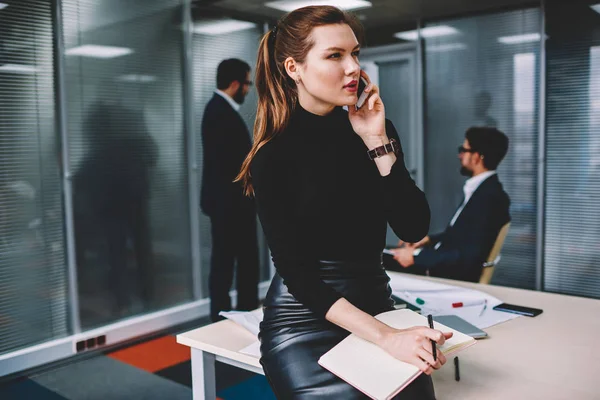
(293, 338)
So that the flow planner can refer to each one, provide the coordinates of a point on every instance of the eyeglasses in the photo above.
(463, 149)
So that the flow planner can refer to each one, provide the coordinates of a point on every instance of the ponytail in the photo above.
(276, 99)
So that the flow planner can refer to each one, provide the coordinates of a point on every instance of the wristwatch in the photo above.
(392, 146)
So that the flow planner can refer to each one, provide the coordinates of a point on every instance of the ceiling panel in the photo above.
(381, 21)
(382, 12)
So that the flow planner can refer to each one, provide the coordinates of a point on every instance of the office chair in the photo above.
(494, 257)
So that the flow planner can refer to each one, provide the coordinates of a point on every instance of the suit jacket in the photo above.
(226, 142)
(466, 245)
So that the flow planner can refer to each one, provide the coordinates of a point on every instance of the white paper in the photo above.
(248, 319)
(252, 350)
(488, 318)
(439, 297)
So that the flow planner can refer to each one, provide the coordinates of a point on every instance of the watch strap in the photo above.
(391, 147)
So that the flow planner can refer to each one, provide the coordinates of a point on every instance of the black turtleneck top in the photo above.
(320, 197)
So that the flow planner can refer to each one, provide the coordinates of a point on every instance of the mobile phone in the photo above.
(521, 310)
(362, 96)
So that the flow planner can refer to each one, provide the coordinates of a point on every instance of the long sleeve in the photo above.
(226, 143)
(217, 139)
(292, 255)
(405, 205)
(474, 245)
(435, 238)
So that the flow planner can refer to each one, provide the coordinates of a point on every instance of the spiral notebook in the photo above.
(373, 371)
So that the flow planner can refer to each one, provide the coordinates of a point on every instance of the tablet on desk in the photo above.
(455, 322)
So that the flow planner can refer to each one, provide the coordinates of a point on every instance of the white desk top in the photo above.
(224, 338)
(555, 355)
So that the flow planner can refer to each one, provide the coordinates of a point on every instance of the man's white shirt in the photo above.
(232, 102)
(470, 187)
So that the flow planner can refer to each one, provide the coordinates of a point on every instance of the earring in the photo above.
(297, 81)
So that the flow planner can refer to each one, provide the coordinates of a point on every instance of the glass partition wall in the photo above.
(100, 229)
(127, 157)
(33, 272)
(484, 71)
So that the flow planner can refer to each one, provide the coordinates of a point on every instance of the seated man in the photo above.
(460, 251)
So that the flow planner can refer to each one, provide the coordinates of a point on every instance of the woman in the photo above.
(324, 203)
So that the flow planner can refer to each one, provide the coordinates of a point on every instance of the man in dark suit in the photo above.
(226, 142)
(460, 251)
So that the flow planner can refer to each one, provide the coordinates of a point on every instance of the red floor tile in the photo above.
(154, 355)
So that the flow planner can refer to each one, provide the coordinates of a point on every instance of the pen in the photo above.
(484, 308)
(467, 303)
(456, 370)
(430, 319)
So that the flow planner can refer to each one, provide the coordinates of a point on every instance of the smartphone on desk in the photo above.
(521, 310)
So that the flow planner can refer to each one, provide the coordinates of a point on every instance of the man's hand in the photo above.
(404, 256)
(413, 246)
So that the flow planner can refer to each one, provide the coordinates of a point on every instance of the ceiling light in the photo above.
(436, 48)
(429, 32)
(137, 78)
(596, 7)
(221, 26)
(291, 5)
(518, 39)
(18, 68)
(3, 5)
(97, 51)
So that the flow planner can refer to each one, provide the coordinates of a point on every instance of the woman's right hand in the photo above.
(413, 346)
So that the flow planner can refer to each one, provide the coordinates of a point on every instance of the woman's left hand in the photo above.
(369, 121)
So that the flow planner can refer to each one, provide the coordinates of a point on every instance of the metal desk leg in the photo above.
(203, 375)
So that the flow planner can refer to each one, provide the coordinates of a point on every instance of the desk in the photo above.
(555, 355)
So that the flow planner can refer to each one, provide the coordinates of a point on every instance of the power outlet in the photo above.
(90, 343)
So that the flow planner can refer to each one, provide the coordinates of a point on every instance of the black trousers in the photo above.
(233, 240)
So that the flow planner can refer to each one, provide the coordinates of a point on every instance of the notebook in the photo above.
(373, 371)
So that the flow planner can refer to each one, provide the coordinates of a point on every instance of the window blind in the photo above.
(572, 226)
(33, 279)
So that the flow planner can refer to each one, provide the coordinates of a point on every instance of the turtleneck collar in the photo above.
(309, 116)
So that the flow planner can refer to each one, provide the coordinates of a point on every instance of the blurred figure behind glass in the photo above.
(483, 103)
(111, 195)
